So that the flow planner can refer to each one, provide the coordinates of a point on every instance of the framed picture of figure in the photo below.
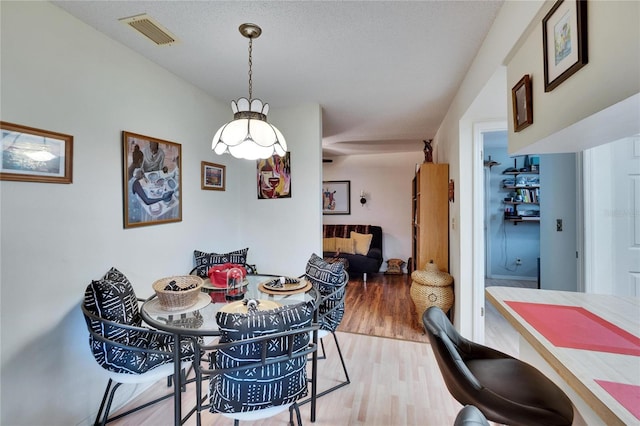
(152, 181)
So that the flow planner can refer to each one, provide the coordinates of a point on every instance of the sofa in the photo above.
(362, 249)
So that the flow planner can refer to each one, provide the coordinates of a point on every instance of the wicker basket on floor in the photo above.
(175, 300)
(431, 287)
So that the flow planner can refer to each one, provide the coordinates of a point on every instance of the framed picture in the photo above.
(213, 176)
(152, 181)
(521, 98)
(564, 40)
(336, 197)
(35, 155)
(274, 177)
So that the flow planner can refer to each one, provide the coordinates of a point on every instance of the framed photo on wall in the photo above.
(521, 98)
(35, 155)
(213, 176)
(336, 197)
(564, 41)
(152, 180)
(274, 177)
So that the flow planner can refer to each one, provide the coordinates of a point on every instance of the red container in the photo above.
(218, 273)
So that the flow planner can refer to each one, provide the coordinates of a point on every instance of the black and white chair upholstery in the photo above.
(505, 389)
(204, 261)
(127, 351)
(258, 368)
(330, 280)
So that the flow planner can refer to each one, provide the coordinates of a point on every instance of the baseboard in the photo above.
(510, 277)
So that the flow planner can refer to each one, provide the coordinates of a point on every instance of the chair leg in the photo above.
(104, 399)
(108, 397)
(344, 368)
(298, 416)
(107, 408)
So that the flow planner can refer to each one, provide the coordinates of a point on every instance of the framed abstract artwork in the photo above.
(564, 41)
(521, 98)
(274, 177)
(152, 180)
(35, 155)
(336, 197)
(213, 176)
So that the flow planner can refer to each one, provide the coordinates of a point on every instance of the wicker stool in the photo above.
(431, 287)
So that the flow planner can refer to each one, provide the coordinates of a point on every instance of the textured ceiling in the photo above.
(383, 72)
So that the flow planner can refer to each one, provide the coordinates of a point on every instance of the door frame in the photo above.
(479, 220)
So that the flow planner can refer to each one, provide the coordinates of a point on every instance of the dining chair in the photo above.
(505, 389)
(127, 351)
(330, 280)
(257, 369)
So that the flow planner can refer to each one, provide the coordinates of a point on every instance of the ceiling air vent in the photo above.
(145, 25)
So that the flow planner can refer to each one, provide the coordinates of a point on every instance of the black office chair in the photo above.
(505, 389)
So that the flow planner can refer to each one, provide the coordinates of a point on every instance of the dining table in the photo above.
(199, 320)
(588, 344)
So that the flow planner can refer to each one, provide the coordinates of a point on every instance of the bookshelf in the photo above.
(522, 203)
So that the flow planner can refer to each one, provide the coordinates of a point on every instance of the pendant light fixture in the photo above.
(248, 135)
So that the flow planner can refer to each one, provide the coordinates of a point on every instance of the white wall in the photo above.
(558, 260)
(455, 146)
(386, 180)
(611, 75)
(59, 74)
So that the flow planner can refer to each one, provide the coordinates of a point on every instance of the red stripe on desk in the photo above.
(627, 395)
(575, 327)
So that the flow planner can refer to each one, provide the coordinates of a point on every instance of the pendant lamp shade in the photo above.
(248, 135)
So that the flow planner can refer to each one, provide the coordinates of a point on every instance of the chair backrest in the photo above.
(330, 280)
(260, 360)
(451, 351)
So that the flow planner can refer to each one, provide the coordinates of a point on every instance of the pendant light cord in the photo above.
(250, 69)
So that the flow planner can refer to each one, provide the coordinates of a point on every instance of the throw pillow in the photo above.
(329, 244)
(362, 242)
(272, 385)
(345, 245)
(204, 261)
(326, 277)
(112, 298)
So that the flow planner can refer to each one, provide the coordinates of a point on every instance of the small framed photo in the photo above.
(152, 180)
(213, 176)
(35, 155)
(521, 98)
(336, 197)
(564, 40)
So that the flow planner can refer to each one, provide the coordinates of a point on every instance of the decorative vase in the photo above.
(431, 287)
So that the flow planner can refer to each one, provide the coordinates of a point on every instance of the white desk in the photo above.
(576, 370)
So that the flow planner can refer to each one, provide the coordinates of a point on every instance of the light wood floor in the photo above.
(394, 381)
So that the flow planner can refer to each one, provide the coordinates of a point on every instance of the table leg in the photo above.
(314, 372)
(177, 381)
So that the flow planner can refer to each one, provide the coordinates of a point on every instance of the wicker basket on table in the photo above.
(431, 287)
(175, 300)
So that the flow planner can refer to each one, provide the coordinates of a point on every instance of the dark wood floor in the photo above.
(382, 307)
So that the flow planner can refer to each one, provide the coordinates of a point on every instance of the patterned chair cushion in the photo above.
(325, 277)
(276, 384)
(112, 298)
(204, 261)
